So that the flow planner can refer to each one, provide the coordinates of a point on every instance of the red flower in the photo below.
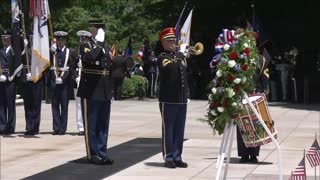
(230, 77)
(224, 103)
(255, 35)
(246, 51)
(214, 104)
(233, 55)
(237, 88)
(244, 67)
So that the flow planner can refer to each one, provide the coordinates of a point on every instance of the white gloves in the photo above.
(58, 81)
(3, 78)
(29, 77)
(78, 80)
(188, 101)
(184, 49)
(53, 47)
(100, 35)
(25, 42)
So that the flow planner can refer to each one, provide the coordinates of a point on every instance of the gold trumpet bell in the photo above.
(197, 49)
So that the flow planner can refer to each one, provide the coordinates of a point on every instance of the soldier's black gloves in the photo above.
(180, 56)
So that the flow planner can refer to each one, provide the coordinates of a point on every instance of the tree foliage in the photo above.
(138, 19)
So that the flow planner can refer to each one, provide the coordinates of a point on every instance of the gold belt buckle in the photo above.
(104, 72)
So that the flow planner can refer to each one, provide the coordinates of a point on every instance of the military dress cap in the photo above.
(60, 34)
(84, 33)
(98, 23)
(168, 34)
(6, 34)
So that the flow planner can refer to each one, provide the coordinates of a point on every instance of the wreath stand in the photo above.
(227, 139)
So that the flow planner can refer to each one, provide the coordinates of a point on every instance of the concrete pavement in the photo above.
(23, 156)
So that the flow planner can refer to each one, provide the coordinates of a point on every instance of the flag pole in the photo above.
(252, 5)
(24, 36)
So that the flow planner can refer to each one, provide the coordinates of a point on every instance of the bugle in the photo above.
(197, 49)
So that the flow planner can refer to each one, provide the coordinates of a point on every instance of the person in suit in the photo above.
(32, 95)
(119, 72)
(8, 87)
(59, 83)
(95, 89)
(76, 69)
(173, 98)
(261, 80)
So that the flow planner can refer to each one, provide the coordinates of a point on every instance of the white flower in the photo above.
(252, 61)
(231, 63)
(245, 45)
(214, 90)
(210, 97)
(231, 94)
(220, 109)
(234, 104)
(226, 47)
(219, 73)
(244, 79)
(237, 80)
(213, 112)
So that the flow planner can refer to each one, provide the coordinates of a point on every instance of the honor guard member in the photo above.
(8, 71)
(32, 95)
(96, 93)
(59, 83)
(173, 98)
(261, 80)
(152, 74)
(76, 70)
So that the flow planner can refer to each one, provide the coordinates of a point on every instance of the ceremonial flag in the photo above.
(313, 154)
(17, 38)
(144, 48)
(300, 172)
(128, 51)
(186, 29)
(40, 50)
(113, 50)
(178, 26)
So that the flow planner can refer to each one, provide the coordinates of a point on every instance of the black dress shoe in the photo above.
(181, 164)
(80, 133)
(55, 132)
(101, 161)
(244, 159)
(8, 132)
(62, 132)
(170, 164)
(254, 159)
(107, 161)
(29, 133)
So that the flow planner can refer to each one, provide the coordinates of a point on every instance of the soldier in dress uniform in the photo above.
(76, 70)
(261, 80)
(152, 74)
(8, 72)
(32, 95)
(59, 83)
(95, 89)
(173, 98)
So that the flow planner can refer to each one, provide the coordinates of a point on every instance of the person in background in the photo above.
(32, 95)
(152, 74)
(119, 72)
(59, 83)
(76, 69)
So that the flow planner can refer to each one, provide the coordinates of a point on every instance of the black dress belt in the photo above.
(103, 72)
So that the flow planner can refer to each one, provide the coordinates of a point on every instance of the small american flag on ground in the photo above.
(300, 172)
(313, 154)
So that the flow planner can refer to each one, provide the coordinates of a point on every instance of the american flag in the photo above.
(300, 172)
(313, 154)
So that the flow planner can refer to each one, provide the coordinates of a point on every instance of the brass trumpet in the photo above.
(197, 49)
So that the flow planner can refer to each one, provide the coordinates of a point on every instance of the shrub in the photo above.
(135, 86)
